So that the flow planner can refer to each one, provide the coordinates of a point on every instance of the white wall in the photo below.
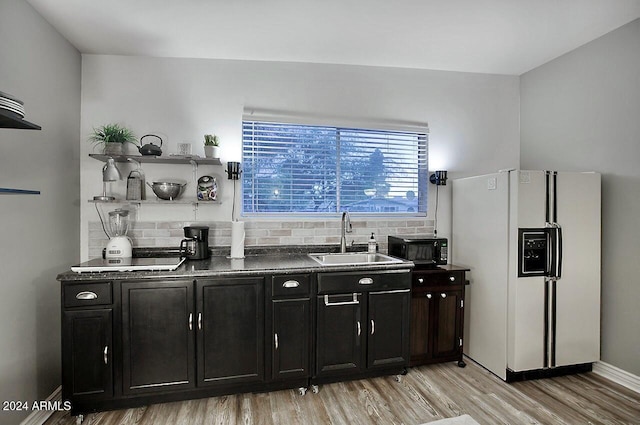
(582, 112)
(473, 118)
(39, 233)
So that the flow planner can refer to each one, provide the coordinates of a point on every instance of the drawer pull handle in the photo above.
(366, 281)
(429, 296)
(190, 321)
(373, 327)
(353, 302)
(86, 295)
(106, 354)
(200, 321)
(452, 278)
(275, 337)
(291, 284)
(359, 329)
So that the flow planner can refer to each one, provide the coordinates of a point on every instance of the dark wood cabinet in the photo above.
(339, 333)
(291, 327)
(87, 341)
(437, 314)
(129, 342)
(230, 322)
(157, 336)
(388, 323)
(365, 330)
(87, 366)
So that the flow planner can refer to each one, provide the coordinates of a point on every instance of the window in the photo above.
(293, 168)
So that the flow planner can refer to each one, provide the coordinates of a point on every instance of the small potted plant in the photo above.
(111, 138)
(211, 144)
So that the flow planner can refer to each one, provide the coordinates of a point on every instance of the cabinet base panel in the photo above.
(419, 361)
(91, 406)
(526, 375)
(398, 370)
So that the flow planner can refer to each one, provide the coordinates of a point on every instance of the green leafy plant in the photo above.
(211, 140)
(112, 133)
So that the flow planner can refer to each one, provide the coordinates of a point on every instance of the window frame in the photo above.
(421, 130)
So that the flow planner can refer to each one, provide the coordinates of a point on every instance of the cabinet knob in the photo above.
(452, 278)
(429, 296)
(291, 284)
(443, 295)
(420, 280)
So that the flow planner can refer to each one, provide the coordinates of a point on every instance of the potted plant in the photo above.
(111, 138)
(211, 144)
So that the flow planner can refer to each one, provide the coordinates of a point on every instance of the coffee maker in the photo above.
(196, 244)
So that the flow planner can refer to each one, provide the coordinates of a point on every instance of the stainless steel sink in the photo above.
(353, 258)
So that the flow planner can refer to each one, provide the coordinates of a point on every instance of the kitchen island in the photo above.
(220, 326)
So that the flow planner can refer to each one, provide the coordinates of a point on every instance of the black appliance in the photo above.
(424, 251)
(196, 244)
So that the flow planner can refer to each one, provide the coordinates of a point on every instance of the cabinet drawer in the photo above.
(291, 285)
(363, 281)
(437, 279)
(85, 294)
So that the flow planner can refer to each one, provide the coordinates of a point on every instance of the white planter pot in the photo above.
(211, 151)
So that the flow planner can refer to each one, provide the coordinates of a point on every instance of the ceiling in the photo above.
(486, 36)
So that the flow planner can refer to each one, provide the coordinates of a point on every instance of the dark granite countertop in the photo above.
(279, 262)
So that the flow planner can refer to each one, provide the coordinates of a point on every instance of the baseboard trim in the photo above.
(617, 375)
(39, 417)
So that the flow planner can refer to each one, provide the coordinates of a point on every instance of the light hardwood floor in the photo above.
(425, 394)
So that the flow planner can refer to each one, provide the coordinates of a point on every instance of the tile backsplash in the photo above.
(265, 233)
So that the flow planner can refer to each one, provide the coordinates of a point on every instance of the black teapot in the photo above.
(150, 148)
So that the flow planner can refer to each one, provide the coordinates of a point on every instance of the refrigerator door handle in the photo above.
(555, 251)
(558, 272)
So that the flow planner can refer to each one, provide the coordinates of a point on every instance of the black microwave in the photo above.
(423, 251)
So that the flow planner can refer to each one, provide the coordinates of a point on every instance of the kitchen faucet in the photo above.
(345, 227)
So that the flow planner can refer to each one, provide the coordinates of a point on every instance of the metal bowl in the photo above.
(167, 190)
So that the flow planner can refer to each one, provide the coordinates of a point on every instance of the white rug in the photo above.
(459, 420)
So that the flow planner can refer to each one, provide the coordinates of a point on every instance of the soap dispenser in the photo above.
(372, 245)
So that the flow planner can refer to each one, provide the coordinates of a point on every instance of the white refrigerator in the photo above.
(532, 242)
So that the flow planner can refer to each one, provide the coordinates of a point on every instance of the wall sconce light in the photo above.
(233, 170)
(439, 178)
(110, 173)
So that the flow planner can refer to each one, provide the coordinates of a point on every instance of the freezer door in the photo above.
(578, 289)
(526, 300)
(480, 217)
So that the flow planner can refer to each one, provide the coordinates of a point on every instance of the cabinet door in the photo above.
(421, 327)
(291, 336)
(230, 331)
(447, 324)
(388, 328)
(158, 336)
(340, 334)
(87, 371)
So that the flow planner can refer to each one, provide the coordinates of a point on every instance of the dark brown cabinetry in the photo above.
(291, 327)
(362, 323)
(87, 341)
(132, 342)
(157, 336)
(437, 314)
(230, 322)
(86, 358)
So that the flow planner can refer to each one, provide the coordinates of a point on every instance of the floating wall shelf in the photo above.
(151, 159)
(11, 120)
